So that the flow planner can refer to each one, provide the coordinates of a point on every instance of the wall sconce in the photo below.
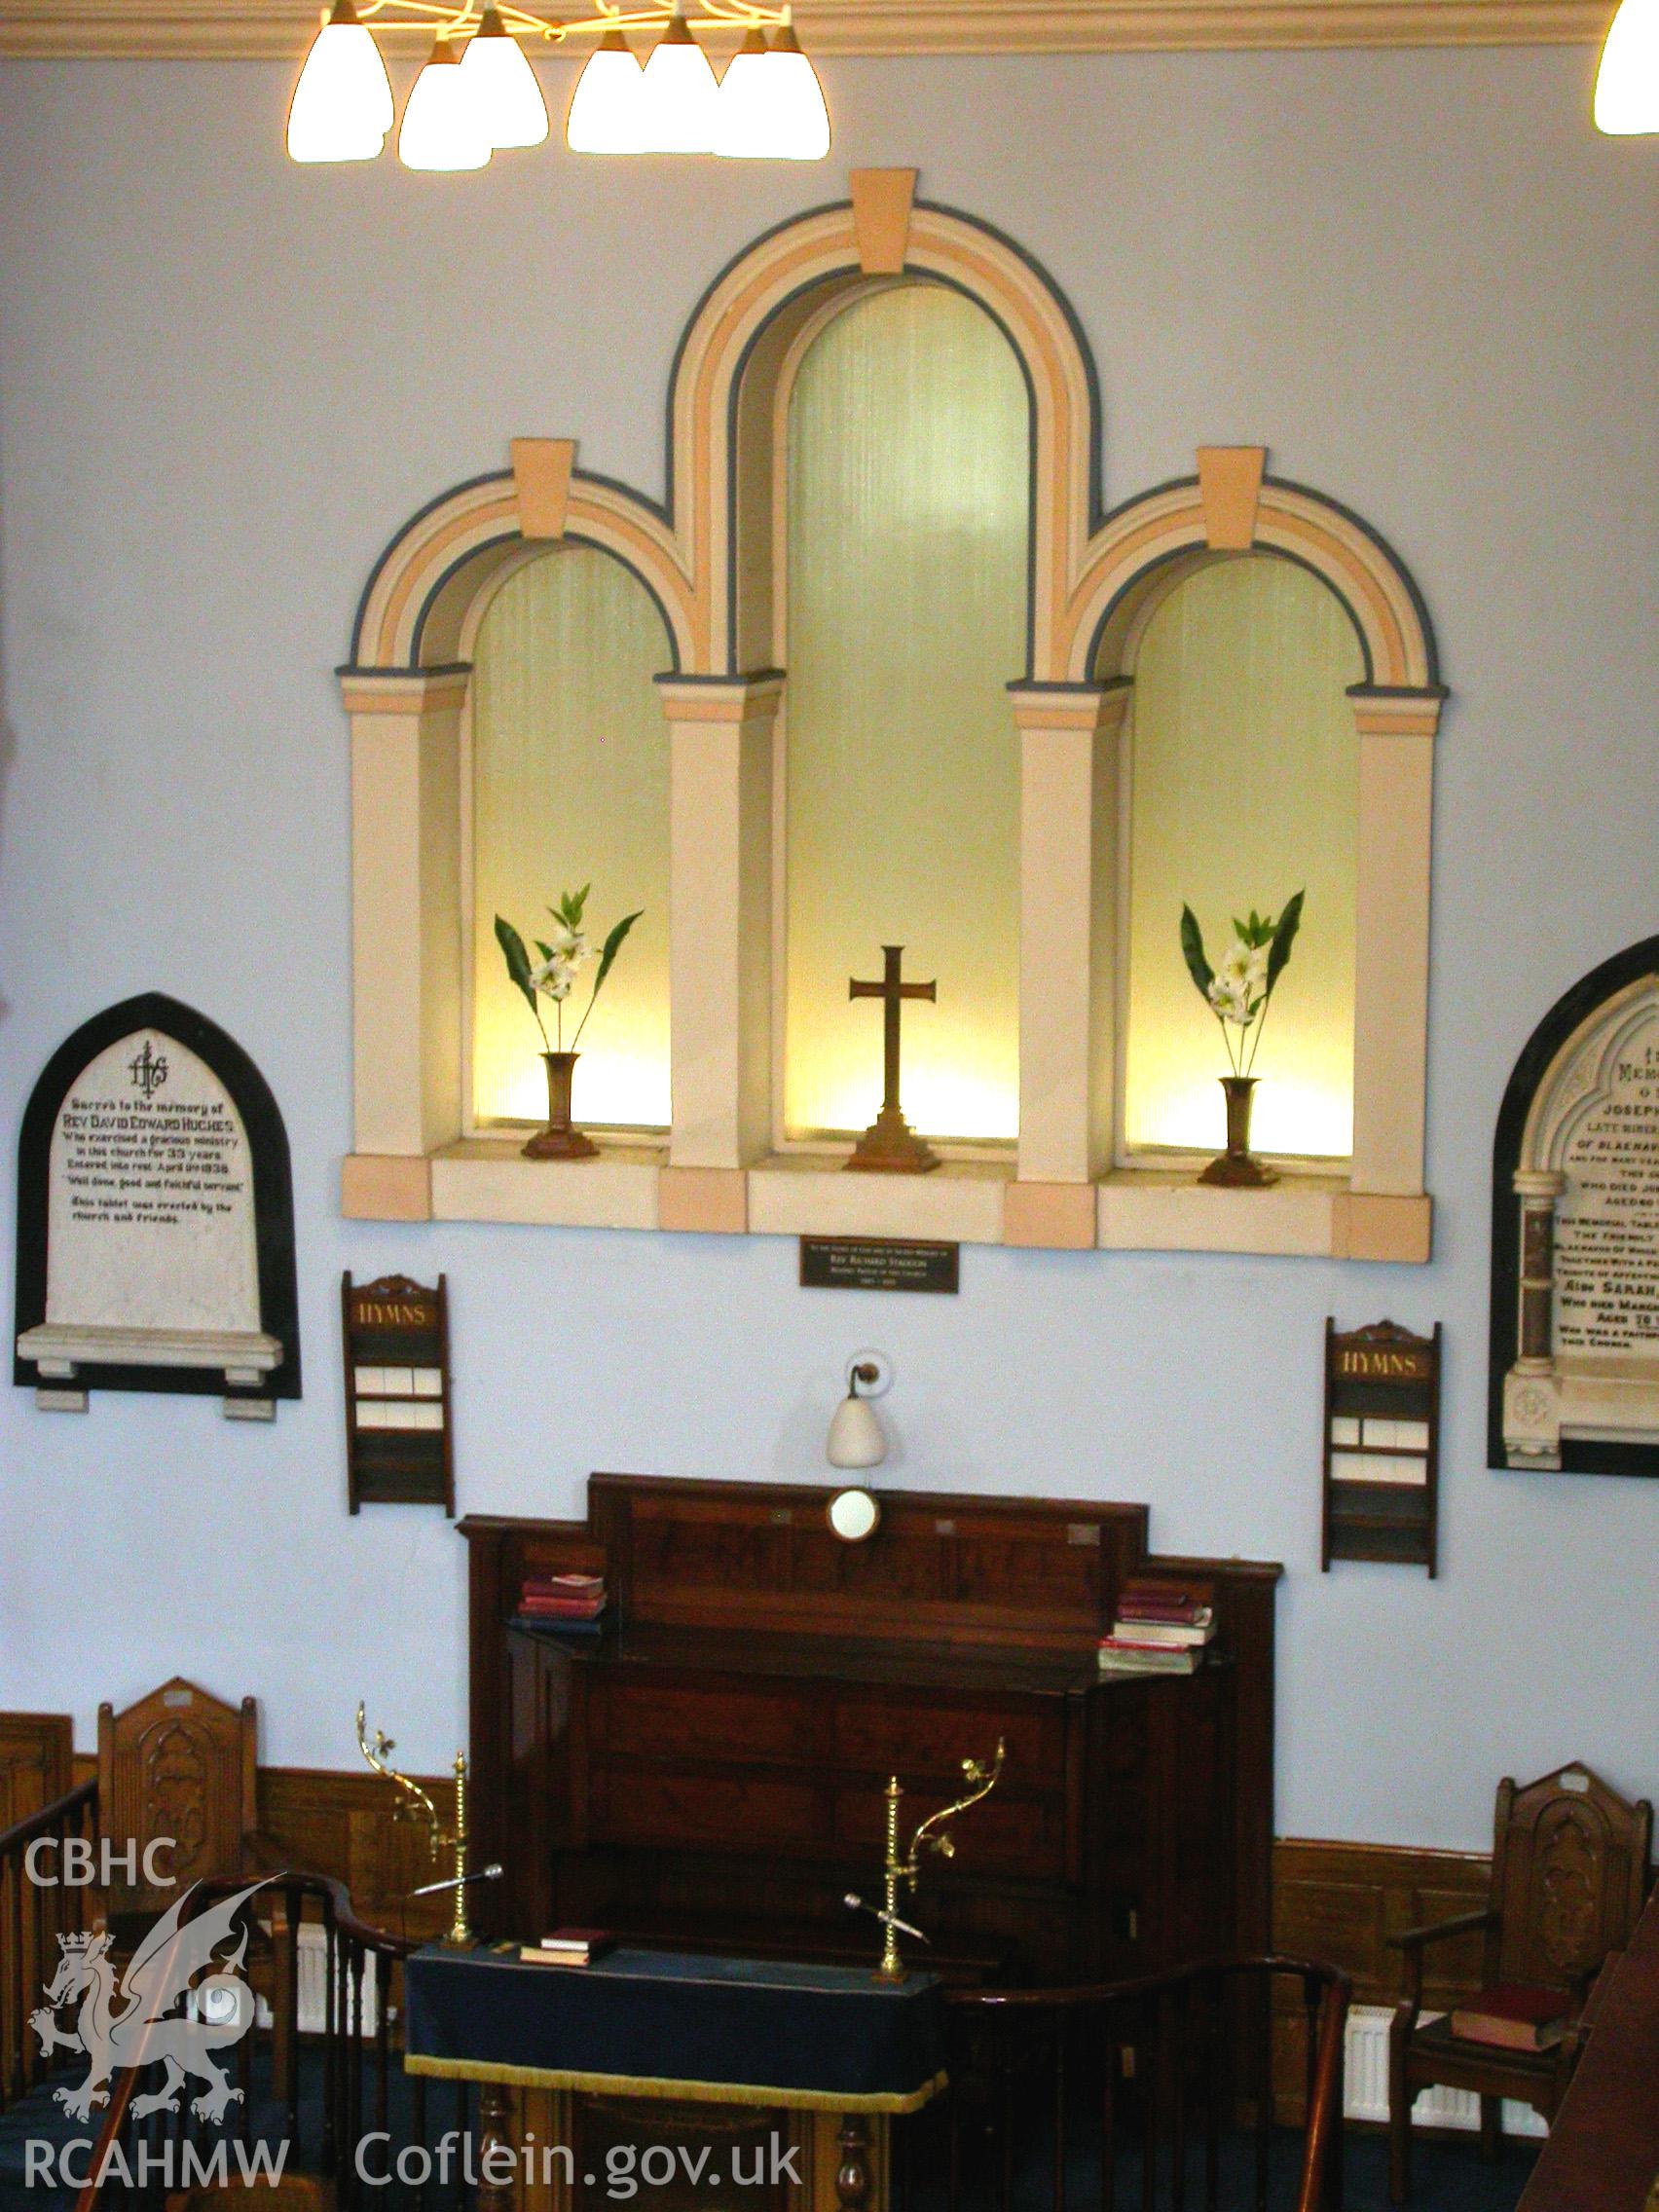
(857, 1438)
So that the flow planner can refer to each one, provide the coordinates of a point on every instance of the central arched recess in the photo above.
(907, 488)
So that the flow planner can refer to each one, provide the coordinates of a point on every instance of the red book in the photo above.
(1514, 2015)
(563, 1608)
(1146, 1602)
(564, 1585)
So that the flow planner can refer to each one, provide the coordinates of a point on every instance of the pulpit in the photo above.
(707, 1773)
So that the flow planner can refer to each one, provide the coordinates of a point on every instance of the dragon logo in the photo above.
(124, 2019)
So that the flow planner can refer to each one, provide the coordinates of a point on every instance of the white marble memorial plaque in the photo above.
(1607, 1266)
(154, 1217)
(151, 1220)
(1577, 1292)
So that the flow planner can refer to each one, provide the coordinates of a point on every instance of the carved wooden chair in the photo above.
(1569, 1872)
(177, 1775)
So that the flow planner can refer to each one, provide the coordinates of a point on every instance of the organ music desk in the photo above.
(708, 1773)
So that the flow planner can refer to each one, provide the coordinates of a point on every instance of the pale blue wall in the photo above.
(225, 382)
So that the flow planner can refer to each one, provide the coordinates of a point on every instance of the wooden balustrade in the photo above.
(1155, 2093)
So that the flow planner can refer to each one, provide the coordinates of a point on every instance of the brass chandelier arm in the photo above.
(452, 21)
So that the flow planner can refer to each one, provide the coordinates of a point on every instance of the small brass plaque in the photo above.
(878, 1263)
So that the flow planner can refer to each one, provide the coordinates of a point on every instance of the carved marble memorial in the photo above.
(1575, 1233)
(154, 1218)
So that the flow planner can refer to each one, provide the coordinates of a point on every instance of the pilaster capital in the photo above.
(404, 691)
(1385, 711)
(1091, 707)
(1540, 1183)
(725, 699)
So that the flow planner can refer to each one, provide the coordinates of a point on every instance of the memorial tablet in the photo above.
(1575, 1233)
(154, 1218)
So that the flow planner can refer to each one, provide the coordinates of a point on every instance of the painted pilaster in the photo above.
(720, 928)
(405, 895)
(1390, 1014)
(1068, 787)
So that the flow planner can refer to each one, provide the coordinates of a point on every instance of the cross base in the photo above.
(891, 1147)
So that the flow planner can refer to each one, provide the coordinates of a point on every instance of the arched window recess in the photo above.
(716, 561)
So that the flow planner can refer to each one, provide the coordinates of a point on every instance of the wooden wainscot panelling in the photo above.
(541, 480)
(343, 1825)
(36, 1762)
(881, 218)
(1340, 1902)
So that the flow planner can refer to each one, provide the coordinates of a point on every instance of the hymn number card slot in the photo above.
(1382, 1445)
(397, 1394)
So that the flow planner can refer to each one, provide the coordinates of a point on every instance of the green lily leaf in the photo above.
(516, 959)
(1193, 950)
(1284, 936)
(612, 946)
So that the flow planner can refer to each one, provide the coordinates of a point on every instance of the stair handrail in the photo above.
(1321, 2180)
(339, 1916)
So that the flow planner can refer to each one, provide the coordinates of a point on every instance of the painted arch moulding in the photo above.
(707, 559)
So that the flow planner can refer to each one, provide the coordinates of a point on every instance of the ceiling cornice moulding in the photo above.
(278, 29)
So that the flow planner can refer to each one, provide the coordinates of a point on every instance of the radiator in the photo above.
(1367, 2089)
(312, 2015)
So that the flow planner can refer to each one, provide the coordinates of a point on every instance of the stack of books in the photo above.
(1160, 1629)
(570, 1605)
(568, 1948)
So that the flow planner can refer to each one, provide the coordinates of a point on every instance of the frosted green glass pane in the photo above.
(909, 493)
(571, 786)
(1245, 789)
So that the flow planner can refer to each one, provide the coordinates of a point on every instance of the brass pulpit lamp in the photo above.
(416, 1805)
(906, 1871)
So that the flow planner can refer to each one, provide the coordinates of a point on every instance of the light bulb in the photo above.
(505, 91)
(1627, 81)
(771, 105)
(442, 128)
(341, 110)
(681, 95)
(607, 108)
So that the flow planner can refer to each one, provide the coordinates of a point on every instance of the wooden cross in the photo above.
(890, 1146)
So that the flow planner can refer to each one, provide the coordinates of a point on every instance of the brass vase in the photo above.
(559, 1140)
(1237, 1169)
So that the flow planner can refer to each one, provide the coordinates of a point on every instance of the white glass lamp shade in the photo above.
(505, 91)
(341, 110)
(607, 108)
(857, 1438)
(771, 105)
(442, 128)
(1626, 81)
(679, 96)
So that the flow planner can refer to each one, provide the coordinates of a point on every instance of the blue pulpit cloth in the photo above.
(668, 2023)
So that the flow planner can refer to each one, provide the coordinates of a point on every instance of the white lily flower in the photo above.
(554, 977)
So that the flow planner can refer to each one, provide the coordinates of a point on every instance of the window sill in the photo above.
(633, 1186)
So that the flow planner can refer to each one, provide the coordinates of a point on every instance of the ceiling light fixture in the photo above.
(1626, 78)
(472, 98)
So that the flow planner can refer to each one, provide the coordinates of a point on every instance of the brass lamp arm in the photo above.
(421, 1805)
(981, 1780)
